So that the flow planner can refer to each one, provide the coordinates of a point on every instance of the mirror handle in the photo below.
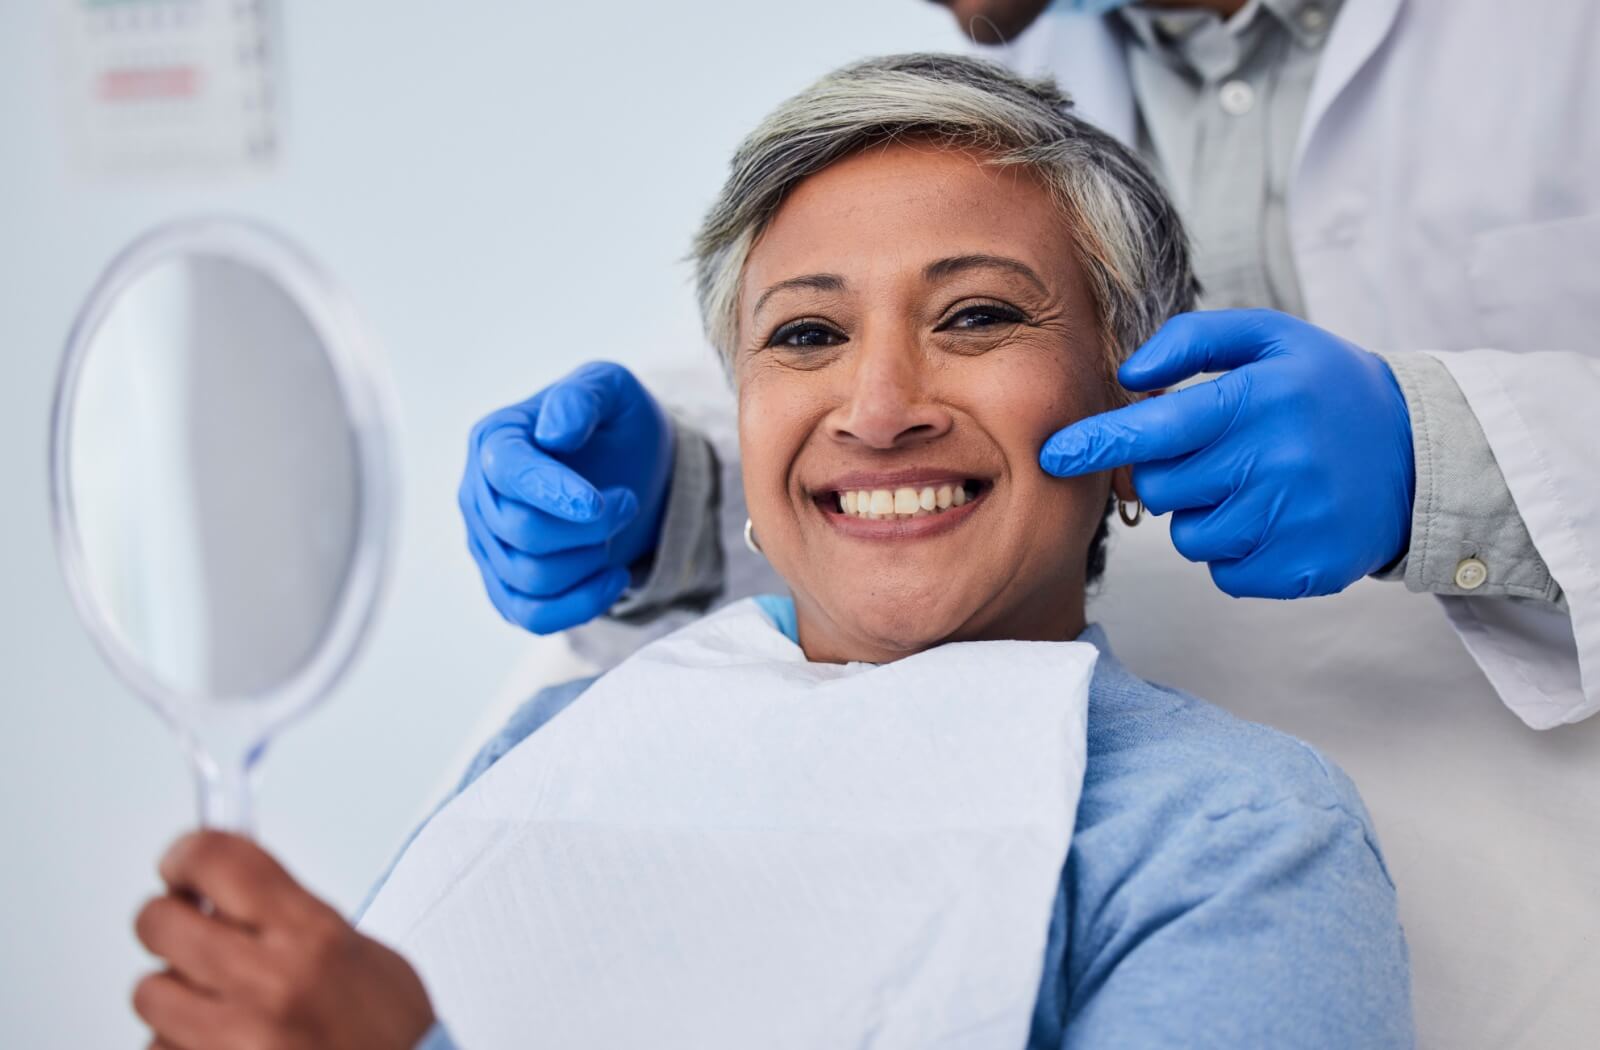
(226, 791)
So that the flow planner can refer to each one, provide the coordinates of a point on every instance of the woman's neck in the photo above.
(1047, 615)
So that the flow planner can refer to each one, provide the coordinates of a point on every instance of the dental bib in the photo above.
(720, 844)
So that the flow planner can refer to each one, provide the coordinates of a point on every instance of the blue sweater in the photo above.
(1223, 887)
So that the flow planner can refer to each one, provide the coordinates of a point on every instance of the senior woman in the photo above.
(919, 268)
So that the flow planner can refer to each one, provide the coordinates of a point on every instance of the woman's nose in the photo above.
(889, 401)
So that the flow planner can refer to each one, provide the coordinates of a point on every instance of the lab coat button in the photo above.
(1313, 19)
(1471, 574)
(1236, 97)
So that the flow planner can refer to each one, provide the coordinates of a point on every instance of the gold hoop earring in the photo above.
(1133, 519)
(750, 537)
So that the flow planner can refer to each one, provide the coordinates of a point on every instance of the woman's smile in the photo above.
(907, 504)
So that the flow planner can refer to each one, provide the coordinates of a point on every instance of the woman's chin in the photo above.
(899, 626)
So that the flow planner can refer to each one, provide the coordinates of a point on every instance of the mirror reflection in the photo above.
(214, 479)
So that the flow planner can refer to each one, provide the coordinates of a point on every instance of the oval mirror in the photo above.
(221, 487)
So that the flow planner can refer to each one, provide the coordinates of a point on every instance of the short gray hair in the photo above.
(1131, 243)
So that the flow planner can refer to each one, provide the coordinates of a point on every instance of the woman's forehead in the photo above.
(905, 206)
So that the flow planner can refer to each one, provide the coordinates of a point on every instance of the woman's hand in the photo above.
(268, 965)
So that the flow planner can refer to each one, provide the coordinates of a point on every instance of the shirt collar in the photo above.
(1212, 47)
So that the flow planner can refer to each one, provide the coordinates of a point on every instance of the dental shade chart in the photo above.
(220, 480)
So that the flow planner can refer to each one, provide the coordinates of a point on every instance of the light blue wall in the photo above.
(505, 190)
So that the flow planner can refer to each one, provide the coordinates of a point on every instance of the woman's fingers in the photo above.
(206, 951)
(239, 878)
(296, 975)
(182, 1016)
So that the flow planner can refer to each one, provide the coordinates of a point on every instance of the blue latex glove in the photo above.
(1292, 474)
(565, 491)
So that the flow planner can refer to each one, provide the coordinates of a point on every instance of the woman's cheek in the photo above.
(1029, 395)
(768, 446)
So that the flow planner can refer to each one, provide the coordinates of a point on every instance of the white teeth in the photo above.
(878, 504)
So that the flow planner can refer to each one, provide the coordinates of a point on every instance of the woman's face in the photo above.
(912, 326)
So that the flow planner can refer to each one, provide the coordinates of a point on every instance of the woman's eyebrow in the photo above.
(816, 282)
(955, 264)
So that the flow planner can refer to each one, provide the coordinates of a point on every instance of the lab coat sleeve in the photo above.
(1264, 926)
(1463, 507)
(686, 567)
(1537, 411)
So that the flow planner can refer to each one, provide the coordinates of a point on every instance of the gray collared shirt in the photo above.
(1220, 105)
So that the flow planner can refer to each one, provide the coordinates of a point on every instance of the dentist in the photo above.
(1400, 257)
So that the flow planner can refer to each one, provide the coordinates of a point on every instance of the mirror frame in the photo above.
(367, 400)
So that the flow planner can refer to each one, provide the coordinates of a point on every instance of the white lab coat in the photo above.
(1446, 198)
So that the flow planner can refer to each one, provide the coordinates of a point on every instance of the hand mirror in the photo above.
(221, 486)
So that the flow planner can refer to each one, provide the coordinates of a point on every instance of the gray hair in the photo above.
(1130, 241)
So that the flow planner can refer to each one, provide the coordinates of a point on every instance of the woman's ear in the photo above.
(1122, 484)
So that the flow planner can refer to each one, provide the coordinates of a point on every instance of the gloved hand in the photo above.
(563, 492)
(1292, 474)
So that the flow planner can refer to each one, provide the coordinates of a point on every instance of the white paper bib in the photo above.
(723, 845)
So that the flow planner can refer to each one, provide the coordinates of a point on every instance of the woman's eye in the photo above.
(987, 315)
(806, 335)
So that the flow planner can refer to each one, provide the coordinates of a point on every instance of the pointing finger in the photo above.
(518, 470)
(534, 532)
(1157, 428)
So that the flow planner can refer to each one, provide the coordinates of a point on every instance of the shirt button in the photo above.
(1471, 574)
(1236, 97)
(1313, 19)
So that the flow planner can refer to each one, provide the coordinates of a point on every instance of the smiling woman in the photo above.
(897, 808)
(919, 269)
(875, 380)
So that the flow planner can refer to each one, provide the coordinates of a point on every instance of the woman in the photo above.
(918, 269)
